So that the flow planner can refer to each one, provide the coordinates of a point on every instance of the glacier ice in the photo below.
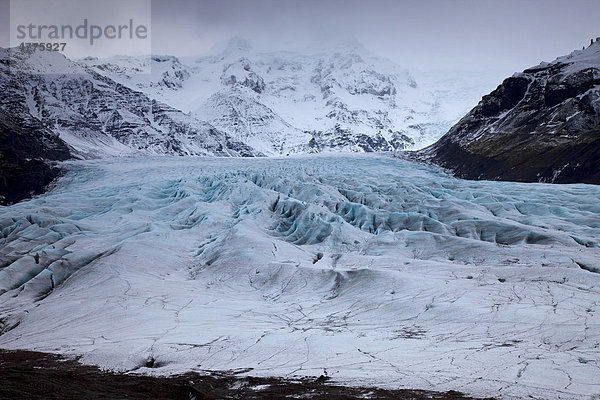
(366, 268)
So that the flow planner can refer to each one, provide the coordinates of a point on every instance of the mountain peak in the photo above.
(238, 43)
(234, 45)
(578, 60)
(350, 45)
(542, 124)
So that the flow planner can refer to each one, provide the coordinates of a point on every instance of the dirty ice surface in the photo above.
(368, 269)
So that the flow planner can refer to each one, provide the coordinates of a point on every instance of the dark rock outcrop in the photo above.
(27, 150)
(541, 125)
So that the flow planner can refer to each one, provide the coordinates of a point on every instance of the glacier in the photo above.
(369, 269)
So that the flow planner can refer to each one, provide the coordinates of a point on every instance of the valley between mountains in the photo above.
(290, 215)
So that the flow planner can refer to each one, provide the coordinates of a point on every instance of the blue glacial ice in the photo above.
(366, 268)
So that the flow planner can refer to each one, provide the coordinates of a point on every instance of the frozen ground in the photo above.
(368, 269)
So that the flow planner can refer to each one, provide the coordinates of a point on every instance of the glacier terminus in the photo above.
(368, 269)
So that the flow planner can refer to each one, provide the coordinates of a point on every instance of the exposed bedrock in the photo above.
(541, 125)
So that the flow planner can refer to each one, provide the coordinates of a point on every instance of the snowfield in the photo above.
(365, 268)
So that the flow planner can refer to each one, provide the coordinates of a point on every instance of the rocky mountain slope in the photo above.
(27, 150)
(344, 99)
(52, 109)
(539, 125)
(99, 117)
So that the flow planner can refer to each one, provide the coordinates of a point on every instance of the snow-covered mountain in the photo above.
(539, 125)
(345, 99)
(232, 102)
(97, 116)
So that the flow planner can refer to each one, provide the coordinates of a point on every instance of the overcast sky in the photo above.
(507, 35)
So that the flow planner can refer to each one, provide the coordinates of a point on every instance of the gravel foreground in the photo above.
(33, 375)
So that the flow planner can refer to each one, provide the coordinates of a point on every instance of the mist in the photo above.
(475, 35)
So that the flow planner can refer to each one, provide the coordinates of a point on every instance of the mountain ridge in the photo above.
(98, 117)
(230, 102)
(346, 99)
(539, 125)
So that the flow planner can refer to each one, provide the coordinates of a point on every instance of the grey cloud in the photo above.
(458, 34)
